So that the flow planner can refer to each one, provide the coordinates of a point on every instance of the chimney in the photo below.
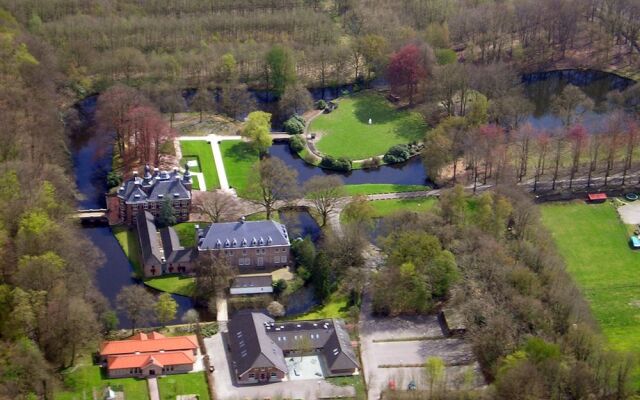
(242, 219)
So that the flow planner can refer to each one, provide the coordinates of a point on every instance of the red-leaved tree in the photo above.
(406, 70)
(147, 131)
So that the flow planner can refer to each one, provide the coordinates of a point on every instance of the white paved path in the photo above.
(217, 157)
(154, 393)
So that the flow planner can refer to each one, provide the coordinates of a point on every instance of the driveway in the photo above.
(227, 389)
(630, 213)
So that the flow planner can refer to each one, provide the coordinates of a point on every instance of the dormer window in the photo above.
(160, 196)
(176, 194)
(234, 243)
(227, 243)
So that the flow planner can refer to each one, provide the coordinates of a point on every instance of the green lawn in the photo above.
(173, 385)
(80, 383)
(128, 240)
(187, 233)
(386, 207)
(239, 158)
(201, 150)
(336, 307)
(178, 284)
(347, 133)
(356, 381)
(594, 244)
(377, 188)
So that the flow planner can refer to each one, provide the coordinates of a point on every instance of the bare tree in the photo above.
(271, 182)
(632, 134)
(542, 145)
(324, 192)
(137, 303)
(218, 206)
(213, 275)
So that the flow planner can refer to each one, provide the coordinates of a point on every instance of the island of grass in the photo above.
(200, 150)
(346, 131)
(594, 244)
(239, 158)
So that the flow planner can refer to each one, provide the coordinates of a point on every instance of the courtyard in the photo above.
(308, 389)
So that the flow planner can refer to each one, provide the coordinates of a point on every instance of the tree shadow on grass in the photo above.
(241, 151)
(375, 107)
(411, 128)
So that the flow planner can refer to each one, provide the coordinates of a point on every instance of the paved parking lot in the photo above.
(299, 389)
(386, 359)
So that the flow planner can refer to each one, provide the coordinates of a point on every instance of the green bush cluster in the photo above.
(296, 143)
(397, 154)
(321, 104)
(338, 164)
(294, 125)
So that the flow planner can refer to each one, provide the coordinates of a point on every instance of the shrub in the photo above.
(446, 56)
(338, 164)
(279, 286)
(373, 162)
(294, 125)
(397, 154)
(321, 104)
(296, 143)
(113, 179)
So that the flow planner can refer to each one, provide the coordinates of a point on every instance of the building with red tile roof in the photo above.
(150, 354)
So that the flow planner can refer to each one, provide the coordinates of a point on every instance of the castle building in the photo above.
(147, 193)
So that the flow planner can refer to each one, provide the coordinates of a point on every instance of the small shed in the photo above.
(597, 197)
(452, 322)
(252, 284)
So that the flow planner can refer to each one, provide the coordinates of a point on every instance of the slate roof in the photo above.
(250, 281)
(251, 346)
(173, 251)
(149, 240)
(260, 334)
(160, 185)
(243, 234)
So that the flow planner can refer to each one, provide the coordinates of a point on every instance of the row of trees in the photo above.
(533, 156)
(528, 324)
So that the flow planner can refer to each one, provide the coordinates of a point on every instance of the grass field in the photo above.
(81, 382)
(594, 244)
(347, 133)
(377, 188)
(386, 207)
(239, 158)
(177, 284)
(129, 242)
(201, 150)
(336, 307)
(173, 385)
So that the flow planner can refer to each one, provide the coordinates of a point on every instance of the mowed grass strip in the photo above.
(378, 188)
(387, 207)
(239, 159)
(347, 133)
(594, 244)
(201, 150)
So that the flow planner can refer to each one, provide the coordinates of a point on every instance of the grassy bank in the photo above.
(128, 240)
(336, 307)
(378, 188)
(594, 244)
(347, 133)
(387, 207)
(176, 284)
